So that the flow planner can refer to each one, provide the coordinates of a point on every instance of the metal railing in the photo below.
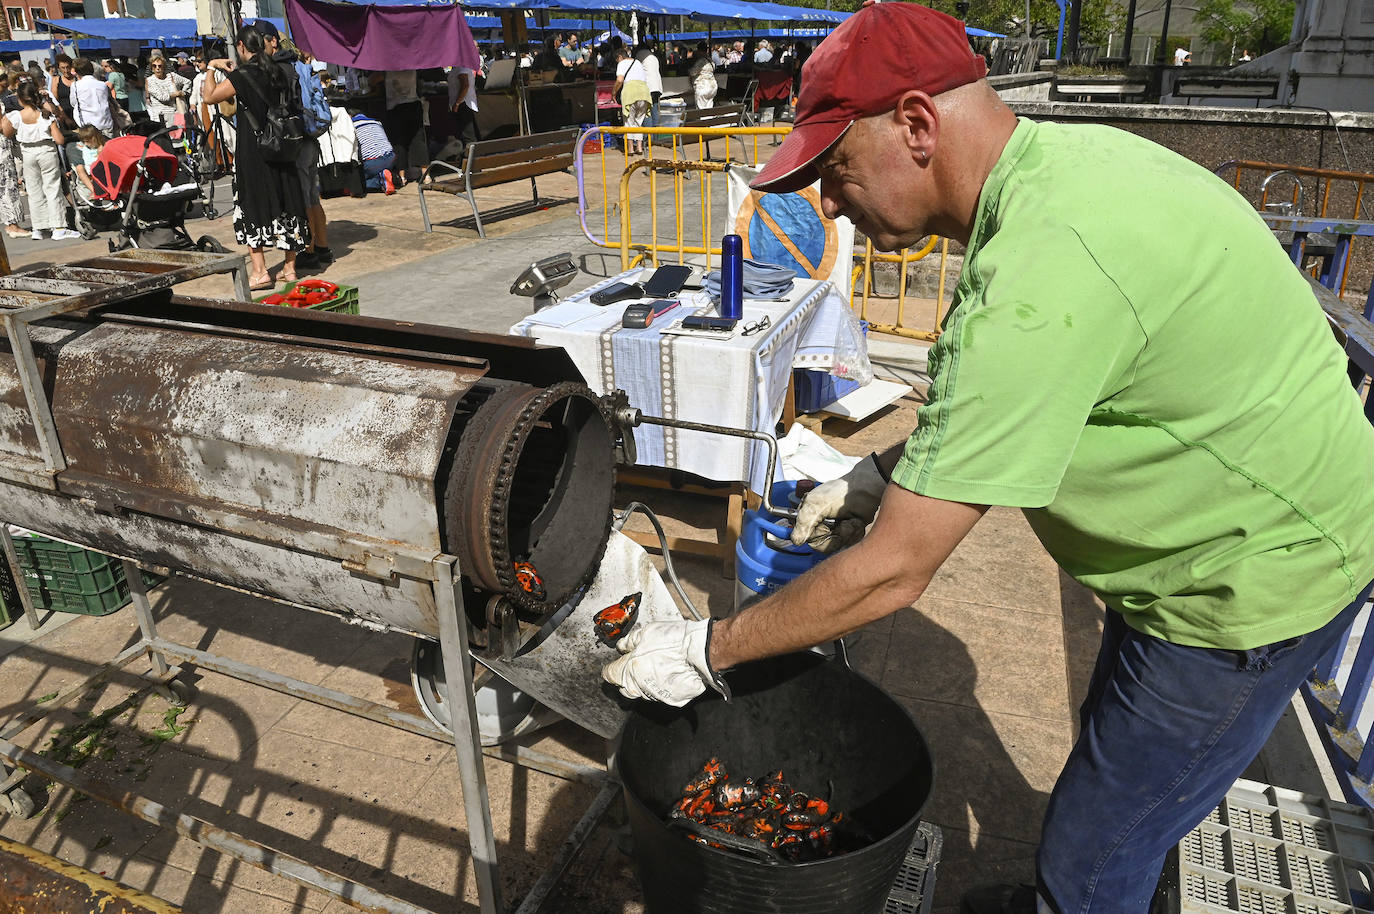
(1326, 193)
(680, 158)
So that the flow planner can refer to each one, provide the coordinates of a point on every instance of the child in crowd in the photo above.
(91, 142)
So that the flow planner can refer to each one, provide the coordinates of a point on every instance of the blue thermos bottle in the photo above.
(731, 277)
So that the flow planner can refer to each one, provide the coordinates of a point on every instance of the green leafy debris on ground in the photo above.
(49, 697)
(170, 728)
(76, 745)
(96, 736)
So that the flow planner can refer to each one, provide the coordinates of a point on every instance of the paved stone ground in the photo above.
(992, 662)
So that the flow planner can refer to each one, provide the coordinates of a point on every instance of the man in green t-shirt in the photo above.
(1132, 360)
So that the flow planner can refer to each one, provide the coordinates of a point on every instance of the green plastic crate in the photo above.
(72, 579)
(39, 552)
(99, 604)
(345, 302)
(10, 606)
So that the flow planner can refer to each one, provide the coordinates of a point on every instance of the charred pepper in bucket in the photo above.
(766, 818)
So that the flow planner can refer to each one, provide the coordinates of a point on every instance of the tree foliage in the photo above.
(1254, 25)
(1099, 17)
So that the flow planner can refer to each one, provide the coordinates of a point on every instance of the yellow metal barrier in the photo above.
(682, 155)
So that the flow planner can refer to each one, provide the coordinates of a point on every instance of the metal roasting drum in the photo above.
(321, 460)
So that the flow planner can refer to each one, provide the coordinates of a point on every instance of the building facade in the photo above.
(21, 20)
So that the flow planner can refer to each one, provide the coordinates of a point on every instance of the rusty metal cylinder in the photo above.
(322, 463)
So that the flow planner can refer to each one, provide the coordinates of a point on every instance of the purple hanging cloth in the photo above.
(383, 37)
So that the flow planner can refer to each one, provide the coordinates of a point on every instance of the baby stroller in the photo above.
(141, 176)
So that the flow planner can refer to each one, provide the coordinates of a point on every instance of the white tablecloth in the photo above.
(740, 382)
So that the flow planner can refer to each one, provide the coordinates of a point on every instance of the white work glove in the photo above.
(836, 514)
(665, 661)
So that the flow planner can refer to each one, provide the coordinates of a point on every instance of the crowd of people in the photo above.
(638, 70)
(56, 121)
(360, 130)
(57, 117)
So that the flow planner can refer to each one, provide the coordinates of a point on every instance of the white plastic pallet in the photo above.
(1268, 850)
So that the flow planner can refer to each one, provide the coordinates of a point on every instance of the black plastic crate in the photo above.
(913, 891)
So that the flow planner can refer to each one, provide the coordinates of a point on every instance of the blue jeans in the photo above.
(373, 168)
(1166, 730)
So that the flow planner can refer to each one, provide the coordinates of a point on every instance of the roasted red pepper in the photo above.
(765, 818)
(614, 622)
(730, 796)
(706, 778)
(529, 580)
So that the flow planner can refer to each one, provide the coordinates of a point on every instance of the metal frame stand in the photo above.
(466, 739)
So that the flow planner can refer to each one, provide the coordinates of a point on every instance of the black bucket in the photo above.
(822, 724)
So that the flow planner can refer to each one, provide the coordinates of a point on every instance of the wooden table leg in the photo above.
(789, 405)
(734, 523)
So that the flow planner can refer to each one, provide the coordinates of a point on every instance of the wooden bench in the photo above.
(488, 163)
(1259, 88)
(719, 116)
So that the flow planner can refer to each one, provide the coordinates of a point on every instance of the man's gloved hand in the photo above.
(836, 514)
(665, 661)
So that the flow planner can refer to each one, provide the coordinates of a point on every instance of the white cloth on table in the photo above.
(740, 382)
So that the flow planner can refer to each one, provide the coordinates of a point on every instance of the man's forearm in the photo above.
(842, 594)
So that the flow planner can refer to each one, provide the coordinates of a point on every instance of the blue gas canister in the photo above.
(764, 559)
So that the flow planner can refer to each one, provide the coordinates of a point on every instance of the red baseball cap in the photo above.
(861, 69)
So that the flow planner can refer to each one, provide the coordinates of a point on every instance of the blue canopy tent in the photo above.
(150, 32)
(777, 12)
(14, 47)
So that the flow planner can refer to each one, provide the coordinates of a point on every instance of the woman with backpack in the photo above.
(269, 204)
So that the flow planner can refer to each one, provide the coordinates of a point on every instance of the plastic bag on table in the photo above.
(851, 350)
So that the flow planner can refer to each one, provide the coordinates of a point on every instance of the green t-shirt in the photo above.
(1133, 360)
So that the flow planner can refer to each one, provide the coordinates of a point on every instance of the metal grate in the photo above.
(1314, 875)
(1206, 889)
(1267, 850)
(1255, 821)
(914, 887)
(1308, 834)
(1254, 900)
(1203, 847)
(1254, 860)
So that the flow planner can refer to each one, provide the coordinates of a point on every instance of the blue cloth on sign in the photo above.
(761, 280)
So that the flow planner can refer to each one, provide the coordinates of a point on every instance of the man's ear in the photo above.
(919, 122)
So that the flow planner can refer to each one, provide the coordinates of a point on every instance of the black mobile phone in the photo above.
(618, 292)
(707, 322)
(666, 281)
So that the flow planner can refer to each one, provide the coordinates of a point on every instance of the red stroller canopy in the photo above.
(114, 169)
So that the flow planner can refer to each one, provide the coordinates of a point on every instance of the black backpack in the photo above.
(281, 135)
